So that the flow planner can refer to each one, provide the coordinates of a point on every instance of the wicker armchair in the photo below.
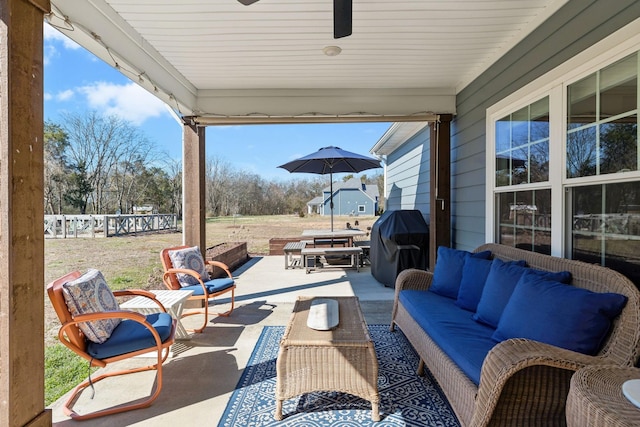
(523, 382)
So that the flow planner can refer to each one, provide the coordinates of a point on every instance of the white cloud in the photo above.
(51, 34)
(48, 96)
(64, 95)
(129, 101)
(52, 39)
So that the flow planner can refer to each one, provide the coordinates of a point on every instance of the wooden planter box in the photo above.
(233, 254)
(276, 244)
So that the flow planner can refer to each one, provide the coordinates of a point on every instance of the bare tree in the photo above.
(174, 186)
(56, 169)
(100, 143)
(219, 187)
(127, 183)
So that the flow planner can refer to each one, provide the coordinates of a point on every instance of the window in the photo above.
(523, 217)
(605, 226)
(602, 119)
(524, 220)
(522, 145)
(586, 205)
(362, 208)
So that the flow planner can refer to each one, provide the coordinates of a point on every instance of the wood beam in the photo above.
(193, 186)
(440, 181)
(22, 214)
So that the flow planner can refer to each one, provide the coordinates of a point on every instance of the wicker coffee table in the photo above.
(342, 359)
(595, 398)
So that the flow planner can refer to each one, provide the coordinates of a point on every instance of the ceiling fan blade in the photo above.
(247, 2)
(342, 11)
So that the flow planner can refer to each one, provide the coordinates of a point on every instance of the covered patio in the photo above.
(444, 63)
(202, 374)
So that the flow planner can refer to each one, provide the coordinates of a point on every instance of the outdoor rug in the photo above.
(405, 398)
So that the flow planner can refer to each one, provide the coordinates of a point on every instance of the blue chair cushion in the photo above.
(130, 336)
(581, 318)
(465, 341)
(213, 286)
(447, 273)
(501, 282)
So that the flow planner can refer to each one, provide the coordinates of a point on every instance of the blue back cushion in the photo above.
(501, 282)
(474, 277)
(498, 288)
(447, 273)
(559, 314)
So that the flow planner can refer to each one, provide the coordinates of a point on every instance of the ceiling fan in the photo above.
(341, 16)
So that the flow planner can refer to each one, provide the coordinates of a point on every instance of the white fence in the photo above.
(73, 226)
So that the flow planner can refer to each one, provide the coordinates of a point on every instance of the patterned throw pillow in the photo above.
(90, 293)
(189, 258)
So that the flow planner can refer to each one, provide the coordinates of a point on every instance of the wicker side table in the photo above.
(595, 398)
(342, 359)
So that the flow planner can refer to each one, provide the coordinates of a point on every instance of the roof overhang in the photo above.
(396, 135)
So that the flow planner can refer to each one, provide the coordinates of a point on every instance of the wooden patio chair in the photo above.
(184, 269)
(85, 304)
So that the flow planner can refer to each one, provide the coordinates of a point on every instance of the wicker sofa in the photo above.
(522, 382)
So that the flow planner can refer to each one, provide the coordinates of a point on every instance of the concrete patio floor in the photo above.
(204, 370)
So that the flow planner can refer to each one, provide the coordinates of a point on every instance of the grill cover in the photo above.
(399, 240)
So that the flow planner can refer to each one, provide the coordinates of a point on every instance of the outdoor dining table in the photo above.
(332, 236)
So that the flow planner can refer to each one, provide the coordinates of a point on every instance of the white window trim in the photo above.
(554, 84)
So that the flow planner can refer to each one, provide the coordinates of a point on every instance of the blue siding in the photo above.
(575, 27)
(347, 201)
(408, 175)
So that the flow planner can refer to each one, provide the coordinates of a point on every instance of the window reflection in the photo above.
(606, 226)
(602, 134)
(618, 87)
(582, 102)
(525, 220)
(522, 145)
(619, 146)
(582, 152)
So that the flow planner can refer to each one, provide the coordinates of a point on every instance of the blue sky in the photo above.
(75, 81)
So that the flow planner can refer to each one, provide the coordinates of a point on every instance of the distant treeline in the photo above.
(97, 164)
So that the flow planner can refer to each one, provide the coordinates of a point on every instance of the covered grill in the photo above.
(399, 240)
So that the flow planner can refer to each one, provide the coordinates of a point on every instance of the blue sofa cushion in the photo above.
(501, 282)
(213, 286)
(448, 270)
(466, 342)
(130, 336)
(559, 314)
(474, 277)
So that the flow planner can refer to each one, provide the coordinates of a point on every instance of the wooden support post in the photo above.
(193, 187)
(22, 214)
(440, 203)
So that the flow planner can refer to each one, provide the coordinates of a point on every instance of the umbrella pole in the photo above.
(331, 196)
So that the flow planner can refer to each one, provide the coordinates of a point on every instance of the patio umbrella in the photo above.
(328, 160)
